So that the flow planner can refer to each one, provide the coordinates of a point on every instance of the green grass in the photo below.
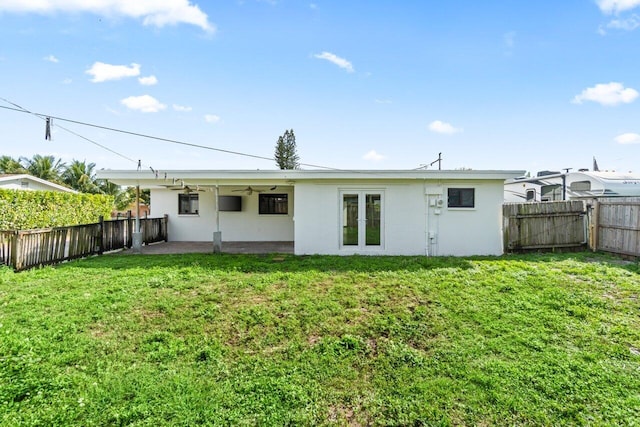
(265, 340)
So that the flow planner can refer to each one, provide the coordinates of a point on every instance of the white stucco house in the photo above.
(372, 212)
(30, 183)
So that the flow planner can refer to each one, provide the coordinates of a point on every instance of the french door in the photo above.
(361, 219)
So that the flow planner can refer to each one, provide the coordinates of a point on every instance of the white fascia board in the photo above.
(148, 179)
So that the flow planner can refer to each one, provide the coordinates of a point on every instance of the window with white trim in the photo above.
(273, 204)
(188, 204)
(461, 197)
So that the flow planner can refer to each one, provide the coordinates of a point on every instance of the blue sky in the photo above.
(364, 84)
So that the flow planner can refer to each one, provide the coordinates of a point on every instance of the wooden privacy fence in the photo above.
(545, 225)
(616, 225)
(23, 249)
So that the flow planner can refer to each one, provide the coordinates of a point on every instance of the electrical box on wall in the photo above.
(433, 191)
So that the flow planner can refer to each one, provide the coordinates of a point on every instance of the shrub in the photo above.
(23, 210)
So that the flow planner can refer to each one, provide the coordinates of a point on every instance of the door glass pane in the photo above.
(373, 219)
(350, 219)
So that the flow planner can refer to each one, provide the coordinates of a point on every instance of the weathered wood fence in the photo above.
(544, 226)
(23, 249)
(605, 224)
(616, 225)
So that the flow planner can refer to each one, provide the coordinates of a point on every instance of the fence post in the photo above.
(165, 228)
(145, 229)
(129, 241)
(100, 236)
(16, 247)
(13, 237)
(595, 225)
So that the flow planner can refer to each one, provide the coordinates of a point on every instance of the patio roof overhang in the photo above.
(212, 178)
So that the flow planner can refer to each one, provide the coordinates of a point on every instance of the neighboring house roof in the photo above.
(159, 179)
(17, 182)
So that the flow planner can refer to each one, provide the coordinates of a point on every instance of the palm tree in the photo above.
(10, 165)
(44, 167)
(121, 198)
(81, 177)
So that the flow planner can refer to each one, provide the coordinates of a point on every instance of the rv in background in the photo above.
(549, 186)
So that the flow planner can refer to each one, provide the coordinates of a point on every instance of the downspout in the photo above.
(217, 235)
(217, 191)
(426, 217)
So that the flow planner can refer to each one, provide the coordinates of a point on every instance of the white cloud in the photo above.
(509, 39)
(152, 12)
(340, 62)
(181, 108)
(627, 138)
(439, 126)
(608, 94)
(112, 111)
(211, 118)
(144, 103)
(616, 6)
(373, 156)
(148, 81)
(627, 24)
(51, 58)
(102, 72)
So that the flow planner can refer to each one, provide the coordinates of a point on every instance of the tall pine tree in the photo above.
(286, 155)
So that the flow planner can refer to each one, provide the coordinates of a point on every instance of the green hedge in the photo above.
(25, 210)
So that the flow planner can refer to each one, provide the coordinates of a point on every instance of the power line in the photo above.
(44, 117)
(141, 135)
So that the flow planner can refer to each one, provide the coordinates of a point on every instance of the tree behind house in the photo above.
(286, 155)
(81, 177)
(44, 167)
(9, 165)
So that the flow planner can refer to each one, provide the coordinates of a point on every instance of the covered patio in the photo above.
(207, 247)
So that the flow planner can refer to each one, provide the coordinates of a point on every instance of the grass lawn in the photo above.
(261, 340)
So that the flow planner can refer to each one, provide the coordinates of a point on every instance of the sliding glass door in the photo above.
(361, 219)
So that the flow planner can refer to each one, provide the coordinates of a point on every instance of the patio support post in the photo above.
(137, 234)
(217, 235)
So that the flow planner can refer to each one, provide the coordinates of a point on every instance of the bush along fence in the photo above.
(604, 224)
(24, 249)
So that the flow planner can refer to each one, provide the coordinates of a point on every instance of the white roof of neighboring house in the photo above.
(14, 182)
(159, 179)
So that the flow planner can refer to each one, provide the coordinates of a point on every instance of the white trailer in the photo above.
(550, 186)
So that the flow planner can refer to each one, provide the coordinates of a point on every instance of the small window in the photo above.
(531, 195)
(549, 193)
(273, 204)
(461, 197)
(188, 204)
(580, 186)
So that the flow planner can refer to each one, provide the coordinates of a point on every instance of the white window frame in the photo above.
(463, 208)
(190, 195)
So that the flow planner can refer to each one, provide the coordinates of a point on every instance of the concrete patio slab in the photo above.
(207, 247)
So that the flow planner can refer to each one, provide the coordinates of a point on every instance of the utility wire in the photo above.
(44, 117)
(172, 141)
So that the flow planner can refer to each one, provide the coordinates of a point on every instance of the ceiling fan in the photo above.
(187, 189)
(249, 190)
